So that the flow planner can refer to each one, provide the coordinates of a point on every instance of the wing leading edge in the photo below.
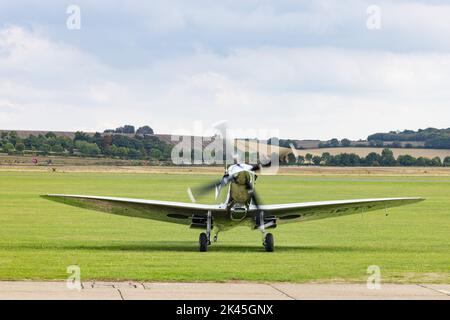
(296, 212)
(168, 211)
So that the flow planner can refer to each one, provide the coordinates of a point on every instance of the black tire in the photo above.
(269, 242)
(203, 242)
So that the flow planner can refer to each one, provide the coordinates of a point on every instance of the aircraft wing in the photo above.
(168, 211)
(296, 212)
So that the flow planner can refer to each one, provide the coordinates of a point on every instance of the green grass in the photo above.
(39, 238)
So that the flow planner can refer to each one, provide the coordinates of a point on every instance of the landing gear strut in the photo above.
(204, 239)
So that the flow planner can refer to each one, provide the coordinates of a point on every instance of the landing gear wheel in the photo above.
(269, 242)
(203, 242)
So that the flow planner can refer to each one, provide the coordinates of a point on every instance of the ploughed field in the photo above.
(39, 239)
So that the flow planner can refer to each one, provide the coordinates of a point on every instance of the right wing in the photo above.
(296, 212)
(168, 211)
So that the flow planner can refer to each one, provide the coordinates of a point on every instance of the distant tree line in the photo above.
(430, 138)
(433, 138)
(129, 129)
(284, 143)
(335, 143)
(146, 146)
(373, 159)
(137, 146)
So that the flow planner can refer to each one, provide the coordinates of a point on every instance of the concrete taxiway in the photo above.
(24, 290)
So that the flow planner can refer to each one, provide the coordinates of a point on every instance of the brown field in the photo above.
(429, 153)
(287, 170)
(114, 169)
(26, 160)
(78, 164)
(362, 171)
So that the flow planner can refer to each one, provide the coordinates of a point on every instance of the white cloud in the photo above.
(315, 92)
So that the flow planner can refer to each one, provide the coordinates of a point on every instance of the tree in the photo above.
(8, 147)
(446, 162)
(348, 159)
(49, 135)
(301, 160)
(57, 149)
(125, 129)
(345, 142)
(81, 136)
(13, 137)
(406, 160)
(334, 143)
(133, 153)
(155, 154)
(121, 152)
(142, 153)
(308, 157)
(144, 130)
(87, 148)
(326, 157)
(106, 141)
(373, 159)
(423, 162)
(316, 160)
(45, 148)
(124, 146)
(20, 147)
(291, 159)
(387, 158)
(436, 162)
(128, 129)
(432, 137)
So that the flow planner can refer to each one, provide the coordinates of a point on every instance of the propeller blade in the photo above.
(259, 217)
(217, 191)
(202, 190)
(259, 166)
(253, 195)
(191, 195)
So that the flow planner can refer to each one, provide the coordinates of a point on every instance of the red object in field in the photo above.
(35, 161)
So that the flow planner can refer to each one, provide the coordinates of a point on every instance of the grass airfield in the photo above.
(39, 239)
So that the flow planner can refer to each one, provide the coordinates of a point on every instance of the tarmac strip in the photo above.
(25, 290)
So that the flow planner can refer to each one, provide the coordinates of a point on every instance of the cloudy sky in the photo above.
(309, 69)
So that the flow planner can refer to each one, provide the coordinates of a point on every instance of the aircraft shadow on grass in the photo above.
(185, 246)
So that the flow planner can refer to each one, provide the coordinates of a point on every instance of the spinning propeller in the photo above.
(227, 178)
(224, 181)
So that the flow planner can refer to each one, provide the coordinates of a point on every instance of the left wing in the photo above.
(168, 211)
(296, 212)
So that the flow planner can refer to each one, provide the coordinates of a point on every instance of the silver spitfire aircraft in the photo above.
(242, 206)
